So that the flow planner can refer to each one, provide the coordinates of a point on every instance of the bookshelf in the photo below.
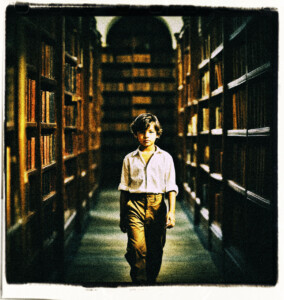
(49, 143)
(138, 76)
(227, 138)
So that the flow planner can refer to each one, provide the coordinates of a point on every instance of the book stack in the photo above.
(47, 54)
(239, 110)
(70, 113)
(48, 107)
(30, 160)
(47, 149)
(70, 78)
(205, 117)
(30, 100)
(205, 84)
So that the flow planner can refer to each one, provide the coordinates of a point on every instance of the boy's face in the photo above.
(148, 137)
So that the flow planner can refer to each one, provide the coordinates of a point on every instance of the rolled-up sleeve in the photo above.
(171, 177)
(124, 180)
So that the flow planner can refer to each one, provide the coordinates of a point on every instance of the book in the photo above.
(205, 118)
(30, 99)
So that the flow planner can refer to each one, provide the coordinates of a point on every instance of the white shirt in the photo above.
(157, 176)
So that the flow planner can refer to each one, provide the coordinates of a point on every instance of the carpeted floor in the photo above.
(99, 260)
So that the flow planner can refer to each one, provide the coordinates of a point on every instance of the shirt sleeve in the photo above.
(124, 180)
(171, 177)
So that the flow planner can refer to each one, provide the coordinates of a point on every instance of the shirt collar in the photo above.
(136, 152)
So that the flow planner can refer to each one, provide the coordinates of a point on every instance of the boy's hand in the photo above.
(170, 221)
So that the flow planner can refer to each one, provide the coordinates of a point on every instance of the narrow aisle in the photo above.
(100, 256)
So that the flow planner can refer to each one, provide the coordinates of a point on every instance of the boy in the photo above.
(148, 174)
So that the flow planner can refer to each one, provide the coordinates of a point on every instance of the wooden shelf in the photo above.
(71, 59)
(237, 132)
(237, 82)
(69, 157)
(204, 132)
(265, 131)
(259, 71)
(48, 197)
(217, 92)
(30, 125)
(70, 128)
(217, 51)
(205, 168)
(216, 176)
(69, 179)
(48, 167)
(217, 131)
(48, 125)
(259, 200)
(203, 64)
(236, 187)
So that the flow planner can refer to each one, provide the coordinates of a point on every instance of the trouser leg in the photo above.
(136, 246)
(155, 234)
(146, 237)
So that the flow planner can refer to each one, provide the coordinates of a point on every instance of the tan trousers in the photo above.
(146, 215)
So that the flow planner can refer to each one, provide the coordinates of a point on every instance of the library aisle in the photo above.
(99, 259)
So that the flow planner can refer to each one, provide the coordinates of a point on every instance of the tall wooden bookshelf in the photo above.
(138, 77)
(227, 103)
(49, 140)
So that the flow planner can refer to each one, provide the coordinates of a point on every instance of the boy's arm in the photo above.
(123, 201)
(170, 222)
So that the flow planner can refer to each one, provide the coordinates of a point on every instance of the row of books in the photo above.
(239, 110)
(70, 113)
(47, 60)
(141, 100)
(30, 100)
(191, 154)
(47, 142)
(205, 119)
(30, 157)
(259, 104)
(139, 86)
(206, 154)
(218, 117)
(205, 84)
(259, 46)
(71, 43)
(91, 73)
(48, 182)
(217, 161)
(205, 48)
(79, 84)
(238, 163)
(47, 107)
(238, 61)
(218, 75)
(192, 125)
(236, 22)
(259, 170)
(187, 63)
(115, 127)
(134, 58)
(216, 35)
(70, 143)
(70, 78)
